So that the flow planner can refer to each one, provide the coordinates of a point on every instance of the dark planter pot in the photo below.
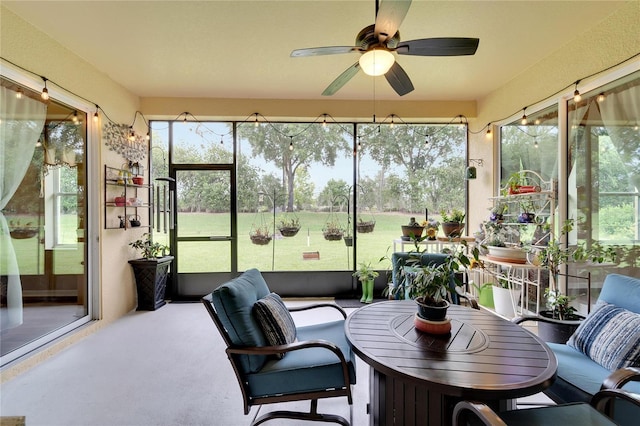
(151, 281)
(557, 331)
(452, 229)
(409, 232)
(432, 313)
(348, 241)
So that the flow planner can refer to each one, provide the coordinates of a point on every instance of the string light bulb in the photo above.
(523, 121)
(256, 123)
(392, 123)
(221, 140)
(601, 97)
(359, 145)
(45, 92)
(148, 136)
(426, 140)
(324, 120)
(75, 117)
(291, 144)
(95, 114)
(489, 134)
(184, 120)
(535, 142)
(19, 93)
(576, 93)
(132, 135)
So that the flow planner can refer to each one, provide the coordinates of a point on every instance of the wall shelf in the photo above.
(134, 200)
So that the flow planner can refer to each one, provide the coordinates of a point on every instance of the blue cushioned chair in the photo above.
(319, 364)
(579, 377)
(598, 413)
(400, 259)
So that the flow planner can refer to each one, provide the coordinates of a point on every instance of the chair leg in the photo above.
(312, 416)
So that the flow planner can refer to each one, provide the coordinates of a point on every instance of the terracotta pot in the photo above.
(452, 229)
(138, 180)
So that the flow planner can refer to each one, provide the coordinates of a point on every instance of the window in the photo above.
(327, 182)
(42, 214)
(604, 174)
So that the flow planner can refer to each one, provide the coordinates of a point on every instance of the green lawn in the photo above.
(286, 253)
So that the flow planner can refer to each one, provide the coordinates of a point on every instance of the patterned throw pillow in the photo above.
(275, 320)
(610, 336)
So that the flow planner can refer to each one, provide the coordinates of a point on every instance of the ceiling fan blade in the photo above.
(389, 16)
(342, 79)
(399, 80)
(328, 50)
(443, 46)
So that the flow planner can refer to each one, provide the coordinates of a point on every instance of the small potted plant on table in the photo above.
(430, 285)
(151, 272)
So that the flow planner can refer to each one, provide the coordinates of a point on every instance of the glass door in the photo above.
(203, 235)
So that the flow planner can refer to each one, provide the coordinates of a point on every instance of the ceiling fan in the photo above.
(377, 42)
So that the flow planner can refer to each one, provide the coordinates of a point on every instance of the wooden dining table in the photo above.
(417, 378)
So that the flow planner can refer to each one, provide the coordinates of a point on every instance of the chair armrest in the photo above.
(465, 410)
(620, 377)
(318, 305)
(603, 400)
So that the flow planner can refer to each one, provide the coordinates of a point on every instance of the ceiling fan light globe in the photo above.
(376, 62)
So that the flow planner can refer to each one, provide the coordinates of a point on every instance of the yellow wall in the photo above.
(29, 48)
(598, 47)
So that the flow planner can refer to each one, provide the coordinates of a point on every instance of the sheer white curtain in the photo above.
(20, 128)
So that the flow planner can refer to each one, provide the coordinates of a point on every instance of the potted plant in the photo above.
(498, 211)
(289, 226)
(365, 226)
(452, 223)
(412, 231)
(561, 320)
(429, 285)
(527, 214)
(260, 235)
(366, 275)
(431, 226)
(332, 231)
(151, 272)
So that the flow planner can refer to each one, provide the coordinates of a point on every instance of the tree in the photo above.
(335, 195)
(311, 143)
(404, 146)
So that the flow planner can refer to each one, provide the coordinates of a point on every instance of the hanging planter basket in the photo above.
(332, 234)
(365, 227)
(260, 238)
(289, 226)
(348, 240)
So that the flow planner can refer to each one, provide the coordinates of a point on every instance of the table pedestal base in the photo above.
(404, 403)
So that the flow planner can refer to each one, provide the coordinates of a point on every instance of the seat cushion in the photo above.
(234, 304)
(275, 321)
(610, 336)
(308, 369)
(570, 414)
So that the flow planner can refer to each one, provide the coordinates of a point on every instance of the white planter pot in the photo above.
(505, 301)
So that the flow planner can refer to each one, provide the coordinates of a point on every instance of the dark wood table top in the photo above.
(484, 357)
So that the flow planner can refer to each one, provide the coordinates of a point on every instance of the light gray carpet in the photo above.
(166, 367)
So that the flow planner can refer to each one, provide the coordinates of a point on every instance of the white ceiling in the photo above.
(240, 49)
